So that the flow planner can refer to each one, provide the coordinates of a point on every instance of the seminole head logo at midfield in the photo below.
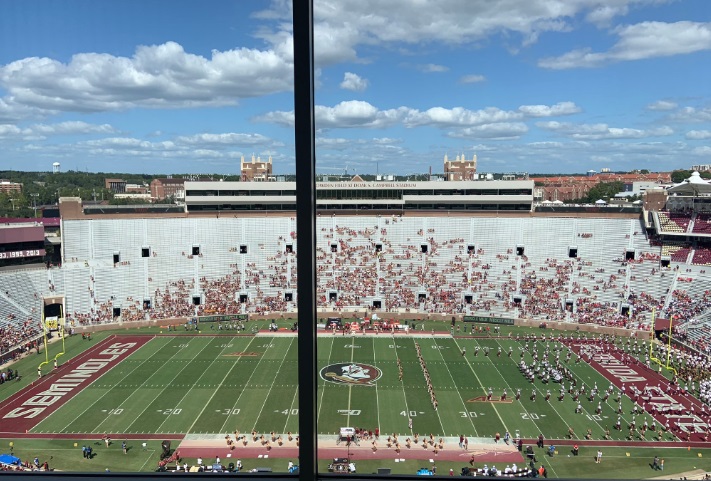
(353, 373)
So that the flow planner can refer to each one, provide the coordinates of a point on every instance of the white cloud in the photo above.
(472, 79)
(72, 127)
(157, 76)
(662, 105)
(42, 131)
(354, 82)
(494, 131)
(704, 151)
(13, 132)
(459, 116)
(432, 68)
(361, 114)
(225, 139)
(561, 108)
(602, 15)
(698, 134)
(341, 27)
(640, 41)
(601, 131)
(692, 114)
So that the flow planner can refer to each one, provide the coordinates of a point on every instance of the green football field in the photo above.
(215, 384)
(219, 384)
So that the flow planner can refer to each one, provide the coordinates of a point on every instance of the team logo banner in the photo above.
(52, 323)
(351, 373)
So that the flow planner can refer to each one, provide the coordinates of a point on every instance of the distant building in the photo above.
(7, 187)
(117, 186)
(701, 168)
(460, 168)
(137, 189)
(164, 188)
(571, 187)
(256, 170)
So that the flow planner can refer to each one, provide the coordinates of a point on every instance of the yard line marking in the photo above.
(161, 392)
(377, 398)
(291, 408)
(323, 390)
(150, 453)
(444, 433)
(107, 392)
(502, 377)
(291, 341)
(350, 386)
(244, 389)
(190, 388)
(478, 380)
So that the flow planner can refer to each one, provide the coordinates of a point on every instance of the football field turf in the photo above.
(219, 384)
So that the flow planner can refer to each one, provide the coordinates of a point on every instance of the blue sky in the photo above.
(541, 86)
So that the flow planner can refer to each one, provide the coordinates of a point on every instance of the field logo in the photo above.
(351, 373)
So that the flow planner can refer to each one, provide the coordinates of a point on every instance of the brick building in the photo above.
(256, 170)
(460, 168)
(570, 187)
(7, 187)
(168, 187)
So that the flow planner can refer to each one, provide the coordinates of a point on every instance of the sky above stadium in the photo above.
(541, 86)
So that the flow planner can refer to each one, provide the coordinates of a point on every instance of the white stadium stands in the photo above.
(556, 268)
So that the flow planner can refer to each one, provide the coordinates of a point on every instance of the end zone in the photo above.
(36, 402)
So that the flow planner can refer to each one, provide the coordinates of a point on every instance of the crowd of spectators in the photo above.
(419, 271)
(15, 334)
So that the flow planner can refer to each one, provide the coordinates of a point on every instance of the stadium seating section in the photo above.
(407, 264)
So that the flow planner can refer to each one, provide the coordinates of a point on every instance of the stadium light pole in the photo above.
(305, 155)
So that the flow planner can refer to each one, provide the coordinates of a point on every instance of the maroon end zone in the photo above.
(36, 402)
(681, 412)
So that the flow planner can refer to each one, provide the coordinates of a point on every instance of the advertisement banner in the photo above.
(489, 320)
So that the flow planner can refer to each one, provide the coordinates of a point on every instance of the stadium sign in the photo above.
(366, 185)
(229, 317)
(351, 373)
(489, 320)
(20, 254)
